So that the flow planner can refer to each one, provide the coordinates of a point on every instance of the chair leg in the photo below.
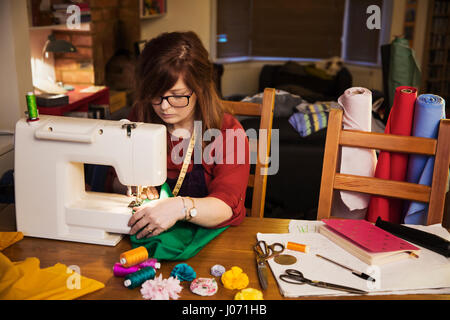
(440, 175)
(330, 159)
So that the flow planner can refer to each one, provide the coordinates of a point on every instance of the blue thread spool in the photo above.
(137, 278)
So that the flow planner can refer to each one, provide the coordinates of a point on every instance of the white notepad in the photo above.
(428, 274)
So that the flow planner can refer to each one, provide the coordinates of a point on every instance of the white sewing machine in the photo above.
(50, 196)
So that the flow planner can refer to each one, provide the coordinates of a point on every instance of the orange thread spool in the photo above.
(297, 247)
(132, 257)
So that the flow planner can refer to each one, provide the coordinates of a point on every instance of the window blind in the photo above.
(362, 42)
(297, 28)
(233, 28)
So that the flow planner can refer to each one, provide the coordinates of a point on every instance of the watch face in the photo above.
(193, 212)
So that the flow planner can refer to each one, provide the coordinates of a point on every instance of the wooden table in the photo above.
(231, 248)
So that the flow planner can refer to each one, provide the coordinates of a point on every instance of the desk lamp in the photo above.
(54, 45)
(57, 46)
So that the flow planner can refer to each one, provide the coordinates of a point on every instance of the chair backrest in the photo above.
(434, 195)
(258, 180)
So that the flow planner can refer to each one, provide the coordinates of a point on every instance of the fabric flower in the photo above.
(235, 278)
(204, 286)
(161, 289)
(217, 270)
(249, 294)
(183, 272)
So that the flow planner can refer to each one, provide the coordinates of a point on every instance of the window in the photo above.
(297, 29)
(362, 44)
(233, 28)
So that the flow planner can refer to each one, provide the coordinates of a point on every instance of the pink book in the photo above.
(369, 243)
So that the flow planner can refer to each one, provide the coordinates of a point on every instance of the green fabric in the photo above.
(403, 68)
(181, 242)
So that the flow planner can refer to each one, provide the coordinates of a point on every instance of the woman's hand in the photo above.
(146, 193)
(156, 217)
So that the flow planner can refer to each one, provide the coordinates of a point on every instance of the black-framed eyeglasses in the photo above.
(175, 101)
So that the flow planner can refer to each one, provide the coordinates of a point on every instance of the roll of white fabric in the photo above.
(357, 105)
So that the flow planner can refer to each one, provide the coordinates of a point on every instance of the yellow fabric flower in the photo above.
(234, 278)
(249, 294)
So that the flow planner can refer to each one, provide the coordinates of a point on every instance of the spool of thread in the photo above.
(121, 271)
(152, 262)
(134, 280)
(297, 247)
(133, 257)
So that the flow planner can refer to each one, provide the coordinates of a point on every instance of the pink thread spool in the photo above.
(121, 271)
(152, 262)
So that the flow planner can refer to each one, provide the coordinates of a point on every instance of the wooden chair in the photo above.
(257, 181)
(434, 195)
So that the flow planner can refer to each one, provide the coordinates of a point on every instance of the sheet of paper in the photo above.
(428, 274)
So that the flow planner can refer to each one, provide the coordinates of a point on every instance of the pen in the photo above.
(355, 272)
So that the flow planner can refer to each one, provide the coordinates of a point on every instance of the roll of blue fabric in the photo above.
(428, 112)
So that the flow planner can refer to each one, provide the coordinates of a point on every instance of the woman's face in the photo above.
(173, 115)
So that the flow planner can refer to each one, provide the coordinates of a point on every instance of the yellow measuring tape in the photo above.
(187, 160)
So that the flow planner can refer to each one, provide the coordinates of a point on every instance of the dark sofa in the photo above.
(294, 191)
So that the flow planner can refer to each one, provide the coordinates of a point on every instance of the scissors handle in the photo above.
(268, 251)
(260, 252)
(293, 272)
(276, 248)
(291, 279)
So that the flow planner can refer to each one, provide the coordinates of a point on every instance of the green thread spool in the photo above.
(32, 107)
(135, 279)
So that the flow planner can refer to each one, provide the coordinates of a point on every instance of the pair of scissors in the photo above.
(296, 277)
(263, 253)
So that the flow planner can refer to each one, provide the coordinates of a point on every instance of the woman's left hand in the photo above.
(156, 217)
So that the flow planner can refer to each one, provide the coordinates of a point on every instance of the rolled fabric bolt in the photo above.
(428, 112)
(297, 247)
(393, 165)
(357, 105)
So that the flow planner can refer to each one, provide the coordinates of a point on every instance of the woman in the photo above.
(174, 87)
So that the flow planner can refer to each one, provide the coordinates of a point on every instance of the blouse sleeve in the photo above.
(230, 179)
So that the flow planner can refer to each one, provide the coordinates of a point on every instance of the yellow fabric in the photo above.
(25, 280)
(8, 238)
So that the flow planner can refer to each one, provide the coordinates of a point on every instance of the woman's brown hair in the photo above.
(159, 66)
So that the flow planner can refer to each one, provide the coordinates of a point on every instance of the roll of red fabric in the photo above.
(391, 165)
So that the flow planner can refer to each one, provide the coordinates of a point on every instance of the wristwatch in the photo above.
(192, 211)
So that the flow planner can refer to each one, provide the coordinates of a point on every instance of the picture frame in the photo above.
(152, 8)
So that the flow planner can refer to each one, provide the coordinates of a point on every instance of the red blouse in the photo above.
(226, 171)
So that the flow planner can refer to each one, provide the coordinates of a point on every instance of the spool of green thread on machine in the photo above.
(135, 279)
(33, 114)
